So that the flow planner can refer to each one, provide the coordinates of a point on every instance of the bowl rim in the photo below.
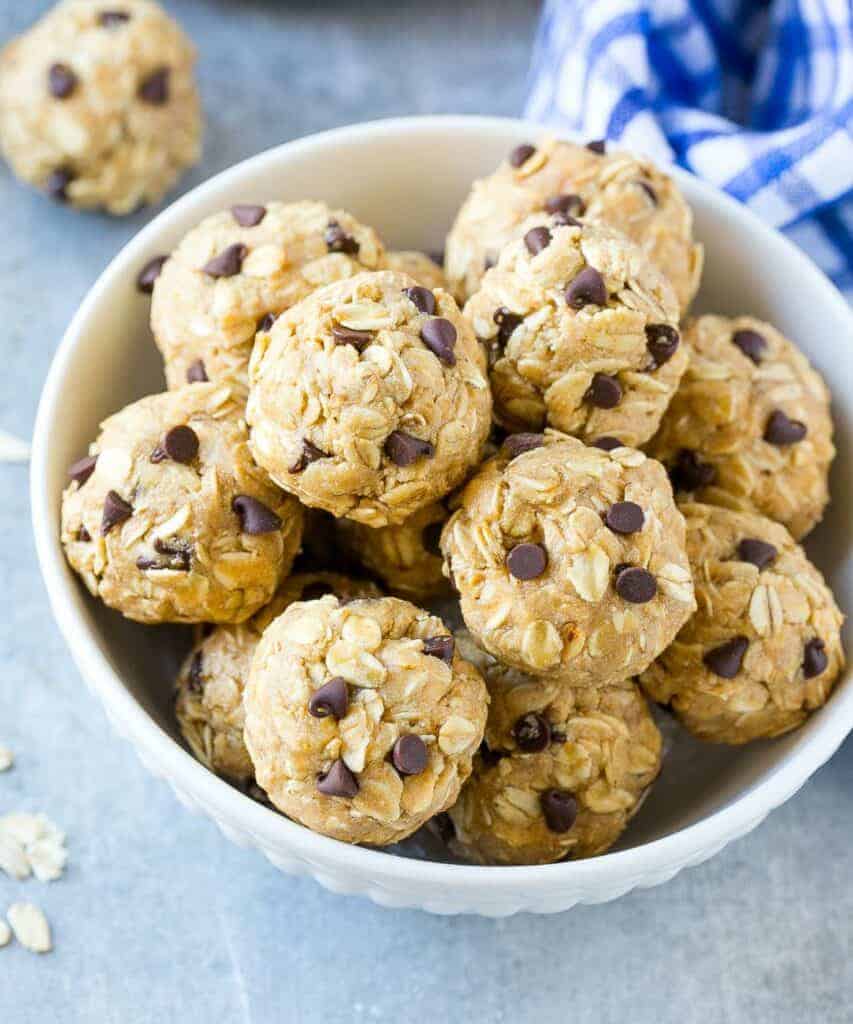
(165, 757)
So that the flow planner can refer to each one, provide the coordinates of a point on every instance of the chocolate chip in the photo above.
(332, 699)
(689, 473)
(489, 261)
(177, 556)
(814, 658)
(662, 343)
(403, 449)
(536, 240)
(83, 535)
(491, 757)
(228, 263)
(527, 561)
(314, 591)
(756, 551)
(266, 322)
(112, 19)
(310, 453)
(440, 647)
(180, 444)
(532, 732)
(61, 81)
(635, 584)
(607, 444)
(605, 392)
(248, 215)
(518, 444)
(587, 289)
(430, 538)
(347, 336)
(409, 755)
(148, 275)
(559, 808)
(195, 680)
(725, 661)
(650, 192)
(155, 88)
(597, 146)
(423, 299)
(625, 517)
(521, 154)
(751, 343)
(56, 185)
(558, 737)
(82, 469)
(439, 336)
(507, 323)
(437, 257)
(255, 518)
(338, 781)
(781, 430)
(567, 203)
(563, 220)
(337, 240)
(196, 373)
(116, 510)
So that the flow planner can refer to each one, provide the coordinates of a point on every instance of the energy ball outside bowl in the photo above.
(418, 265)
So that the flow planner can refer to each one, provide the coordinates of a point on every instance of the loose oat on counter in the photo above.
(30, 927)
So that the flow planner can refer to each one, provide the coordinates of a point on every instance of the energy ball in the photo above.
(168, 519)
(209, 689)
(236, 271)
(749, 427)
(582, 333)
(561, 772)
(361, 719)
(764, 648)
(369, 398)
(617, 189)
(570, 560)
(98, 104)
(418, 265)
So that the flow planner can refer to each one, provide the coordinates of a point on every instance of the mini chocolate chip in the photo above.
(491, 757)
(567, 203)
(814, 658)
(605, 392)
(155, 88)
(337, 240)
(756, 551)
(315, 590)
(527, 561)
(440, 647)
(145, 563)
(403, 449)
(310, 453)
(409, 754)
(563, 220)
(725, 661)
(489, 261)
(195, 680)
(431, 536)
(228, 263)
(559, 808)
(751, 343)
(178, 556)
(112, 19)
(56, 185)
(116, 510)
(61, 81)
(662, 343)
(196, 373)
(82, 469)
(607, 444)
(635, 584)
(507, 323)
(266, 322)
(247, 215)
(650, 192)
(532, 732)
(181, 444)
(536, 240)
(255, 518)
(689, 473)
(348, 336)
(437, 257)
(439, 336)
(83, 535)
(331, 700)
(521, 154)
(558, 737)
(625, 517)
(518, 444)
(587, 289)
(781, 430)
(148, 275)
(423, 299)
(597, 146)
(338, 781)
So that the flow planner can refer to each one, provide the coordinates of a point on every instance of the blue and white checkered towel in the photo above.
(755, 96)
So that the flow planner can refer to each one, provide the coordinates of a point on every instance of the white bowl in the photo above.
(407, 177)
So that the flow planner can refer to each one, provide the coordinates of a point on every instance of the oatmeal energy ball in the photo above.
(209, 689)
(369, 398)
(234, 273)
(418, 265)
(749, 427)
(168, 519)
(98, 104)
(361, 718)
(569, 560)
(561, 772)
(582, 332)
(616, 188)
(763, 649)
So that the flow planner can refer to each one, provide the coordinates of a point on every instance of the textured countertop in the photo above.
(158, 917)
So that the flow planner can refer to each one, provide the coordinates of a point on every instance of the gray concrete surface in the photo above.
(159, 919)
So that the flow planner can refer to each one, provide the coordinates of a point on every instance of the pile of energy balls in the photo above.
(353, 439)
